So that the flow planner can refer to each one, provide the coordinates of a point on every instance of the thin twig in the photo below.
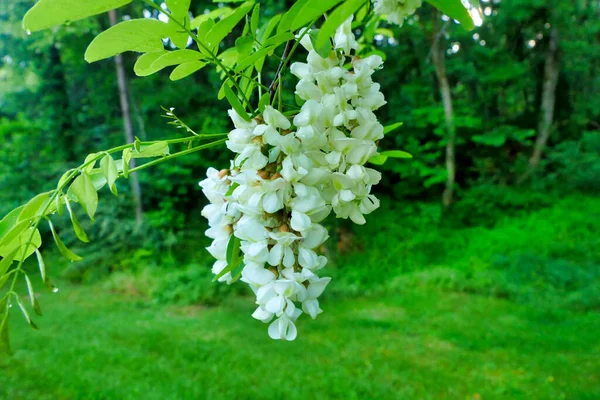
(275, 83)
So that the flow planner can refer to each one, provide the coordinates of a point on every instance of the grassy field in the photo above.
(411, 345)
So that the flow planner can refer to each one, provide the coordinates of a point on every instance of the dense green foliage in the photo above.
(558, 270)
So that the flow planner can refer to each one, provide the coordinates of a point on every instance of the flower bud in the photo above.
(284, 228)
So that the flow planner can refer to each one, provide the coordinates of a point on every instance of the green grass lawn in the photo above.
(411, 345)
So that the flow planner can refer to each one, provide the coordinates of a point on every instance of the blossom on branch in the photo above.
(288, 176)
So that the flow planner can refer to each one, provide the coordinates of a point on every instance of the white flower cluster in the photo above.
(396, 11)
(286, 178)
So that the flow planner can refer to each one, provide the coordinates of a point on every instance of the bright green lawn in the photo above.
(414, 345)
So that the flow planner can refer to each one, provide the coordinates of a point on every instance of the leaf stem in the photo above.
(178, 154)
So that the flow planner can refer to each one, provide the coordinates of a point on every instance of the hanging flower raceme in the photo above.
(288, 176)
(396, 11)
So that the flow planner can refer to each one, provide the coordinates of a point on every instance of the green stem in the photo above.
(178, 154)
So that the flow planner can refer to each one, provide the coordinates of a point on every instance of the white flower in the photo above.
(262, 315)
(257, 252)
(251, 158)
(310, 304)
(344, 38)
(250, 229)
(284, 289)
(256, 275)
(305, 41)
(274, 118)
(282, 250)
(218, 248)
(286, 179)
(396, 11)
(283, 328)
(219, 266)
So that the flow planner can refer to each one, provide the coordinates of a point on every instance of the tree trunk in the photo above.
(439, 61)
(139, 117)
(127, 124)
(58, 107)
(547, 106)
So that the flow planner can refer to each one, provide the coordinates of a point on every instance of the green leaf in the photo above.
(34, 303)
(233, 257)
(178, 7)
(98, 179)
(392, 127)
(279, 39)
(243, 45)
(7, 261)
(68, 254)
(42, 267)
(110, 171)
(385, 32)
(214, 14)
(248, 61)
(335, 19)
(25, 313)
(143, 65)
(396, 154)
(157, 149)
(141, 35)
(3, 279)
(64, 178)
(323, 50)
(493, 140)
(35, 207)
(178, 26)
(264, 101)
(9, 221)
(185, 70)
(79, 232)
(288, 18)
(233, 249)
(175, 58)
(82, 189)
(15, 231)
(224, 27)
(378, 159)
(254, 20)
(455, 10)
(312, 10)
(267, 29)
(235, 102)
(126, 160)
(59, 204)
(48, 13)
(90, 162)
(231, 189)
(24, 244)
(4, 333)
